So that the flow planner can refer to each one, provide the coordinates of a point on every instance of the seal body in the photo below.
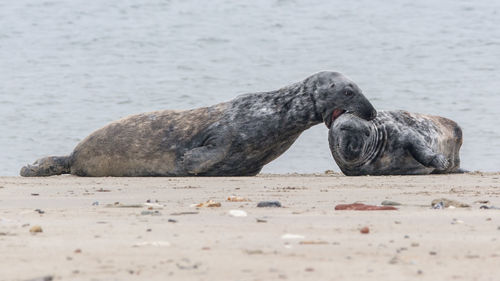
(395, 143)
(234, 138)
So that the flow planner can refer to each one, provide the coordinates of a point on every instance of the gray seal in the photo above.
(234, 138)
(395, 143)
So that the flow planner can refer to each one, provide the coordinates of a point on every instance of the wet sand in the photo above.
(100, 228)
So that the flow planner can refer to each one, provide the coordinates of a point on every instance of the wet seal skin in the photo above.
(396, 143)
(234, 138)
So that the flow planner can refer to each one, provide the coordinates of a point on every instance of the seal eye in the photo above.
(348, 93)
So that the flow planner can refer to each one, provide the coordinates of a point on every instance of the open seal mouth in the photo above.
(334, 115)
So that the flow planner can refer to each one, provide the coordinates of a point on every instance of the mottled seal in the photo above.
(395, 143)
(234, 138)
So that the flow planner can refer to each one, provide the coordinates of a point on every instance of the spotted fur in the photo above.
(234, 138)
(395, 143)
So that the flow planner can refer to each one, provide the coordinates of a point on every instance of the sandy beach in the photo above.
(150, 228)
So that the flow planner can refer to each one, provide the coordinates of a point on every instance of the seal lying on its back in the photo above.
(235, 138)
(395, 143)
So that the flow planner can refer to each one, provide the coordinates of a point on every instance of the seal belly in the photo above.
(394, 162)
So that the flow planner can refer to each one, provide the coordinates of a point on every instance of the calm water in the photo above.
(69, 67)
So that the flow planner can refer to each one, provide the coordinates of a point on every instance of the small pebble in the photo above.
(394, 260)
(439, 205)
(365, 230)
(488, 207)
(363, 207)
(209, 204)
(152, 213)
(442, 203)
(415, 244)
(390, 203)
(269, 204)
(95, 203)
(237, 199)
(43, 278)
(40, 211)
(261, 220)
(35, 194)
(78, 251)
(172, 220)
(432, 253)
(36, 229)
(407, 237)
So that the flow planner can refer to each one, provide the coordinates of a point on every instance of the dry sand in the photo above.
(84, 241)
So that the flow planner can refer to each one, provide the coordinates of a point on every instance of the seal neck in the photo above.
(375, 143)
(298, 107)
(317, 115)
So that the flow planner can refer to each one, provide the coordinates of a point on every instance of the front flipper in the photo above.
(424, 154)
(200, 159)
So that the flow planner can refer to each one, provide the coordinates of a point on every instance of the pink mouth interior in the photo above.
(336, 113)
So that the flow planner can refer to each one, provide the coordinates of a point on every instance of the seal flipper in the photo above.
(460, 171)
(424, 154)
(200, 159)
(47, 166)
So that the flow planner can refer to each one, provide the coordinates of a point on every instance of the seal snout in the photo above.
(373, 115)
(368, 113)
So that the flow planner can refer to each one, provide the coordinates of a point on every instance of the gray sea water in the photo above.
(69, 67)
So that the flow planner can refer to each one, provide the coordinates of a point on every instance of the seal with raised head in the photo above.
(395, 143)
(234, 138)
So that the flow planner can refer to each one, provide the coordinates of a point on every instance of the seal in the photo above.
(395, 143)
(234, 138)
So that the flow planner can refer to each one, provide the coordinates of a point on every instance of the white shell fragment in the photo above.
(237, 213)
(153, 243)
(292, 236)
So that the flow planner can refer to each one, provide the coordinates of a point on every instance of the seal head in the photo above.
(334, 94)
(353, 139)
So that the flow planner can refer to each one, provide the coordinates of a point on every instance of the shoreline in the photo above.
(105, 229)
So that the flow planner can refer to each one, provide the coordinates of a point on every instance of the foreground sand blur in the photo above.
(100, 229)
